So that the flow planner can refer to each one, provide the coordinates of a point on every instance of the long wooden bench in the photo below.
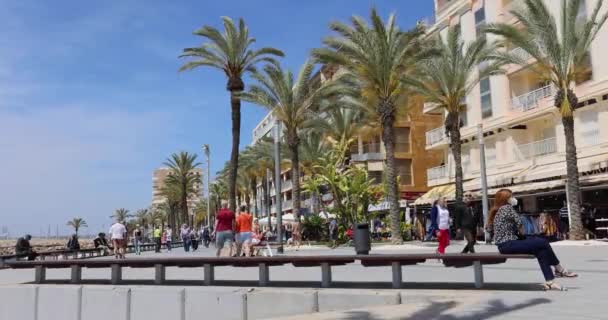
(396, 261)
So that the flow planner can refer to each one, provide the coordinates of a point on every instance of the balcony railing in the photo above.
(536, 149)
(591, 137)
(437, 173)
(530, 100)
(371, 151)
(435, 136)
(285, 185)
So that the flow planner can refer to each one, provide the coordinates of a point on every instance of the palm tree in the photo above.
(376, 56)
(231, 53)
(561, 58)
(183, 178)
(142, 217)
(121, 215)
(312, 149)
(293, 102)
(447, 78)
(77, 223)
(339, 124)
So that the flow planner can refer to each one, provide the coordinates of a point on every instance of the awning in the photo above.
(528, 187)
(447, 191)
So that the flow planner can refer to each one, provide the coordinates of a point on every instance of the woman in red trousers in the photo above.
(440, 221)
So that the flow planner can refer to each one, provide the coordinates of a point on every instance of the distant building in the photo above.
(158, 182)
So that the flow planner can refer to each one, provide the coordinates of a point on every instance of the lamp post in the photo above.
(277, 183)
(207, 152)
(484, 179)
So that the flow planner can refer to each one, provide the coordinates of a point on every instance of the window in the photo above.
(465, 159)
(486, 98)
(403, 167)
(402, 139)
(480, 21)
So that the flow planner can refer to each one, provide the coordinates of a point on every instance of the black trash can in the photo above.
(362, 238)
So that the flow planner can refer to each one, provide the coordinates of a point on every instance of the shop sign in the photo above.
(385, 206)
(597, 168)
(411, 195)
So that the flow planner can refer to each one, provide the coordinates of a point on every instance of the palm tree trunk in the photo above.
(235, 104)
(254, 193)
(455, 146)
(295, 178)
(576, 228)
(388, 137)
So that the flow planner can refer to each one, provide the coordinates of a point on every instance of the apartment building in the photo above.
(158, 182)
(412, 157)
(523, 133)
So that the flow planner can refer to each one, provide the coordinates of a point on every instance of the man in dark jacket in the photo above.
(23, 248)
(467, 220)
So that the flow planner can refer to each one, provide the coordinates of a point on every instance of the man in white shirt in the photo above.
(118, 233)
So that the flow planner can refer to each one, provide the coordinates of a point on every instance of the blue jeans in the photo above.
(539, 247)
(186, 244)
(137, 243)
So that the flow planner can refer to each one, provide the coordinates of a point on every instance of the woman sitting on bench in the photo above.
(507, 225)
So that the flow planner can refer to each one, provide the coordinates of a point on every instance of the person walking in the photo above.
(506, 224)
(169, 237)
(185, 236)
(157, 238)
(137, 239)
(440, 217)
(467, 220)
(296, 234)
(194, 239)
(244, 223)
(333, 233)
(206, 236)
(118, 233)
(224, 227)
(24, 248)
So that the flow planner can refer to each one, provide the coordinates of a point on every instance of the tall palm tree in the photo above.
(561, 54)
(293, 101)
(231, 53)
(312, 148)
(250, 167)
(447, 78)
(121, 215)
(77, 223)
(184, 178)
(170, 207)
(376, 56)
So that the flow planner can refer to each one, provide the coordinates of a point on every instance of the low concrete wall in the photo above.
(93, 302)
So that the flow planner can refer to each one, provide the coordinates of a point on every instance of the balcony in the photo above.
(402, 147)
(590, 138)
(435, 136)
(536, 149)
(437, 173)
(371, 151)
(429, 107)
(531, 100)
(286, 185)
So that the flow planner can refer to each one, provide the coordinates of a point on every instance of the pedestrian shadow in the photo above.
(436, 311)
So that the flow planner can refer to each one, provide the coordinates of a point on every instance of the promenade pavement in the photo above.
(432, 291)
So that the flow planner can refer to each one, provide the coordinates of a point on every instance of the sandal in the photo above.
(565, 274)
(552, 286)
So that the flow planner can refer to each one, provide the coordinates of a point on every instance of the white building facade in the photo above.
(524, 136)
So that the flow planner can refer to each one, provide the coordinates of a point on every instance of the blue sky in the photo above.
(91, 100)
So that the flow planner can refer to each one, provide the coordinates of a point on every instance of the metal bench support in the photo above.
(116, 274)
(325, 275)
(209, 274)
(159, 274)
(76, 274)
(40, 274)
(397, 275)
(264, 274)
(478, 269)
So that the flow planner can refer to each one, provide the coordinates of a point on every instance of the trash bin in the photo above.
(362, 239)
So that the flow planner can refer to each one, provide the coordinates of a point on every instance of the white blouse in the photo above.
(443, 218)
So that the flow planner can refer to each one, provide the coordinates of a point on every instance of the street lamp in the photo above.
(484, 179)
(277, 183)
(207, 152)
